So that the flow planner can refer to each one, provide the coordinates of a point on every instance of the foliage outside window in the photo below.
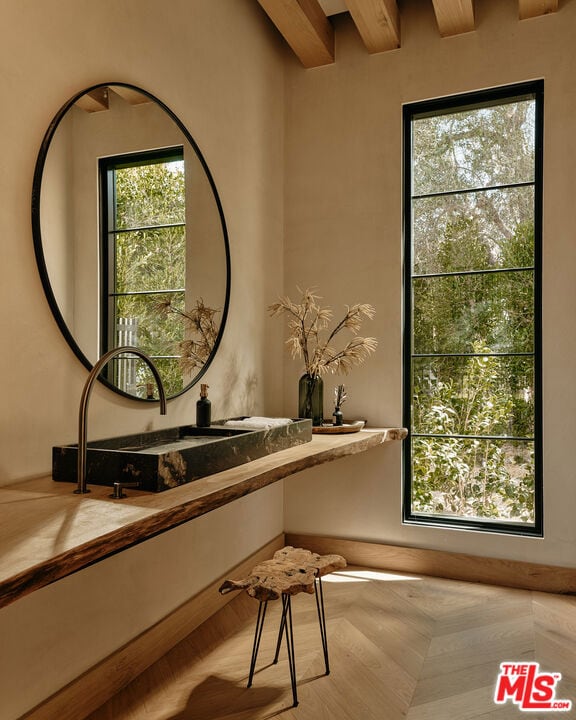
(472, 310)
(144, 248)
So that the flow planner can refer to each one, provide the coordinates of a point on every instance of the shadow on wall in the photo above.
(240, 390)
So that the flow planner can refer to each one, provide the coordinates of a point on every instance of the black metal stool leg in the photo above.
(281, 630)
(322, 619)
(257, 636)
(279, 641)
(290, 646)
(286, 629)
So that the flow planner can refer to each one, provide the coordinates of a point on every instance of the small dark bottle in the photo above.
(203, 408)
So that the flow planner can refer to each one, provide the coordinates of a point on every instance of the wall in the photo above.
(344, 234)
(216, 67)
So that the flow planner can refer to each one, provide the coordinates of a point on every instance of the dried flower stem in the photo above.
(200, 323)
(339, 396)
(306, 322)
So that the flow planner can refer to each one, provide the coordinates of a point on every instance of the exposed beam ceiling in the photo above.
(378, 22)
(305, 26)
(94, 101)
(333, 7)
(133, 97)
(454, 16)
(533, 8)
(99, 100)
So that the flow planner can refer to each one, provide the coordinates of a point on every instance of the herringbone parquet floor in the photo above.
(401, 646)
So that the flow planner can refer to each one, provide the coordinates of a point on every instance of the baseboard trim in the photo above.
(456, 566)
(88, 692)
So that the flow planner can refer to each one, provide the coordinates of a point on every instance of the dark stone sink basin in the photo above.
(163, 459)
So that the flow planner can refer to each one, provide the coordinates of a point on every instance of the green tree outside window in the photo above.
(472, 307)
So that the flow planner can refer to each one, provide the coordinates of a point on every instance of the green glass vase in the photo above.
(311, 398)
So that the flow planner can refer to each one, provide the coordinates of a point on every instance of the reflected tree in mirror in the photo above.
(144, 244)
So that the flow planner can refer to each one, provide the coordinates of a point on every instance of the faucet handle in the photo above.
(119, 493)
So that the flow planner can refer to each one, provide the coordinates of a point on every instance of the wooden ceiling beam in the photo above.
(454, 16)
(94, 101)
(305, 28)
(378, 22)
(534, 8)
(133, 97)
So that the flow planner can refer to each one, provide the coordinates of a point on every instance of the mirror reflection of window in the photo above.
(143, 214)
(122, 124)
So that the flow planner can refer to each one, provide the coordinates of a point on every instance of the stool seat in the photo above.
(289, 572)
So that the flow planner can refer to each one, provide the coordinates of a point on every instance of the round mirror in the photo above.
(130, 238)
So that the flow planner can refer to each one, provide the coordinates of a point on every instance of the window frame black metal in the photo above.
(484, 98)
(108, 232)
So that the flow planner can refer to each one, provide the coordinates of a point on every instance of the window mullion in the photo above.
(476, 411)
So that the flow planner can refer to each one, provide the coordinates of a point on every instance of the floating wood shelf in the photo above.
(47, 532)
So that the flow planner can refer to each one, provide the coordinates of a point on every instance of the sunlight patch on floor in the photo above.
(366, 576)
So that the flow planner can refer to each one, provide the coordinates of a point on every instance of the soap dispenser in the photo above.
(203, 408)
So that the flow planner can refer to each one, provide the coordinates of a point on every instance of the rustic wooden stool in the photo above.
(291, 570)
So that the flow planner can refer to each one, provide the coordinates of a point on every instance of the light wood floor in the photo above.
(400, 647)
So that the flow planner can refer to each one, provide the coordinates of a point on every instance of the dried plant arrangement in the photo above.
(201, 330)
(311, 340)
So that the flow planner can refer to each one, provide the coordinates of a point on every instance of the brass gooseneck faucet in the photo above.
(96, 370)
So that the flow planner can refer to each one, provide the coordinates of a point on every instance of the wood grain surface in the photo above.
(47, 532)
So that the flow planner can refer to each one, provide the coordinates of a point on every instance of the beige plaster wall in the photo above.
(344, 234)
(215, 65)
(218, 68)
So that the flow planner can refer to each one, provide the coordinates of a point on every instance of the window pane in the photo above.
(150, 195)
(151, 260)
(171, 374)
(131, 374)
(474, 313)
(155, 333)
(472, 280)
(473, 479)
(473, 231)
(473, 396)
(475, 148)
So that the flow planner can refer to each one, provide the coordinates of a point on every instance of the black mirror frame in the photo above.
(39, 250)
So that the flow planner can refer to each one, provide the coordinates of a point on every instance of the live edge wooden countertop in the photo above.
(48, 532)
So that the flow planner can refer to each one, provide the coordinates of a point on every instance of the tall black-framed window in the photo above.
(143, 226)
(472, 310)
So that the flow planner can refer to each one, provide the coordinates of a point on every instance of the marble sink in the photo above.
(163, 459)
